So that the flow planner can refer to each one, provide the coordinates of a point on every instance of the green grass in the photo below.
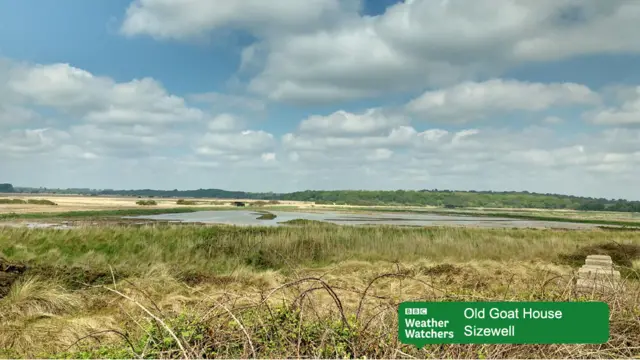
(30, 201)
(41, 202)
(221, 289)
(12, 201)
(224, 248)
(507, 215)
(97, 213)
(265, 215)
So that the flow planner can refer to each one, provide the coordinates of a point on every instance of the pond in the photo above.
(247, 218)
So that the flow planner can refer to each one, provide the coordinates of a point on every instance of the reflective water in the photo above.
(247, 217)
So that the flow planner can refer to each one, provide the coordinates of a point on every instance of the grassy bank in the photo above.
(310, 290)
(224, 248)
(103, 213)
(508, 215)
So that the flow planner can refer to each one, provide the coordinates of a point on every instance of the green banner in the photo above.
(422, 323)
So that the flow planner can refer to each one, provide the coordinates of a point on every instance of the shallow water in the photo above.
(248, 217)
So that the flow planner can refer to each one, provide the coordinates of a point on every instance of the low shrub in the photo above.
(12, 201)
(146, 202)
(266, 216)
(41, 202)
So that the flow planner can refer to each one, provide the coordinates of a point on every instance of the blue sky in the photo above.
(325, 94)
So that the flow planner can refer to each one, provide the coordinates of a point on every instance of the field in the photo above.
(67, 203)
(303, 290)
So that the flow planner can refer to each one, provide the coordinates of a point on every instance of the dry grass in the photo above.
(346, 310)
(97, 203)
(313, 291)
(201, 251)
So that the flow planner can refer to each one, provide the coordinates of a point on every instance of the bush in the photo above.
(146, 202)
(41, 202)
(186, 202)
(266, 216)
(12, 201)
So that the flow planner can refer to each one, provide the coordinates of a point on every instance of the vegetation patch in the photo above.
(625, 256)
(99, 214)
(441, 269)
(146, 202)
(308, 291)
(12, 201)
(186, 202)
(41, 202)
(266, 216)
(9, 273)
(305, 222)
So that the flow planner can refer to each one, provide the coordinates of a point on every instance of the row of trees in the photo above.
(435, 197)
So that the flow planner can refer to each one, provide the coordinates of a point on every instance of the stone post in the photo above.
(598, 274)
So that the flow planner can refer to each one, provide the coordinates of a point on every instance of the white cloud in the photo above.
(19, 143)
(266, 157)
(472, 100)
(221, 101)
(182, 20)
(434, 43)
(380, 154)
(345, 123)
(99, 99)
(248, 142)
(11, 115)
(124, 141)
(627, 113)
(552, 120)
(225, 122)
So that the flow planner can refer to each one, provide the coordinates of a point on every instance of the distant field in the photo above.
(67, 203)
(95, 203)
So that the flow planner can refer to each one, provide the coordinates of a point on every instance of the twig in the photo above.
(184, 352)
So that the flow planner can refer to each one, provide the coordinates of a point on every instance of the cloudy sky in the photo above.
(286, 95)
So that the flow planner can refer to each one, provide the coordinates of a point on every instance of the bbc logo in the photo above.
(415, 311)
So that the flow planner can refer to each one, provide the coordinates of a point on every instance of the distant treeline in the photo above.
(435, 197)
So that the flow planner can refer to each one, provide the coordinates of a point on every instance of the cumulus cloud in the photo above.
(99, 99)
(472, 100)
(19, 143)
(345, 123)
(103, 118)
(236, 145)
(221, 101)
(178, 20)
(225, 122)
(12, 115)
(625, 114)
(436, 43)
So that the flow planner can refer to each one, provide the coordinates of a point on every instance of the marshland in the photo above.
(304, 289)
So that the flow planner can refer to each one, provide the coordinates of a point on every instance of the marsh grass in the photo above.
(12, 201)
(583, 217)
(305, 291)
(224, 248)
(347, 310)
(41, 202)
(29, 201)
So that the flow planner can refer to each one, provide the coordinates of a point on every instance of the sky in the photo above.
(289, 95)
